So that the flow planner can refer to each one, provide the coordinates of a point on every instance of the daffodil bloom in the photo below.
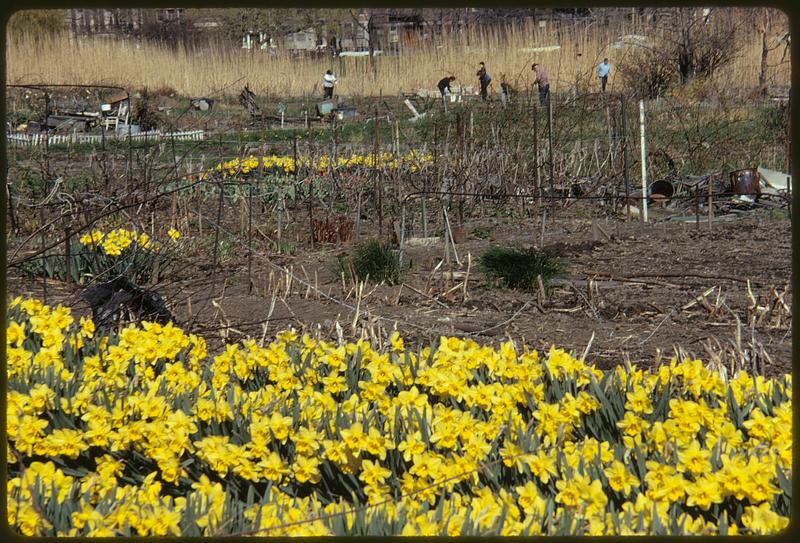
(148, 417)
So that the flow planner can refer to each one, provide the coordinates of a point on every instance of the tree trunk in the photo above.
(371, 38)
(685, 58)
(762, 73)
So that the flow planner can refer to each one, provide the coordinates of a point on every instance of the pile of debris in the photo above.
(325, 110)
(743, 191)
(77, 112)
(118, 302)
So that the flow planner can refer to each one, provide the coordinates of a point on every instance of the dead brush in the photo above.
(772, 310)
(733, 356)
(332, 229)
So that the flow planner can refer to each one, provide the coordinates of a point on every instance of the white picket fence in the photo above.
(29, 140)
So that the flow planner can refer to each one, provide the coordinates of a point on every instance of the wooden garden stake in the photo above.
(540, 290)
(466, 277)
(68, 257)
(710, 203)
(450, 236)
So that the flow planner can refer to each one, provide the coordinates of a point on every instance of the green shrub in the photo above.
(481, 232)
(518, 268)
(374, 261)
(99, 256)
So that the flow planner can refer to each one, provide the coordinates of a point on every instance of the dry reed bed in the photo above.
(207, 72)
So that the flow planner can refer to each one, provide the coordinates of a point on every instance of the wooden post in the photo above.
(261, 150)
(789, 196)
(789, 136)
(44, 276)
(129, 178)
(471, 131)
(294, 155)
(610, 134)
(550, 138)
(219, 218)
(696, 210)
(310, 172)
(710, 203)
(625, 156)
(447, 261)
(67, 256)
(536, 148)
(11, 215)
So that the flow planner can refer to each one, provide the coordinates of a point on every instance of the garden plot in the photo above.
(298, 332)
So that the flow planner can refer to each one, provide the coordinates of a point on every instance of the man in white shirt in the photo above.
(603, 69)
(328, 80)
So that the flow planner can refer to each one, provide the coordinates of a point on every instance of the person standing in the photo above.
(603, 69)
(505, 90)
(542, 82)
(444, 85)
(328, 81)
(484, 79)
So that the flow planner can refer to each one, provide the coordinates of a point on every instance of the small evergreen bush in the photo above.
(517, 268)
(372, 260)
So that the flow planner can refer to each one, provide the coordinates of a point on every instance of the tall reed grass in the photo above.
(217, 69)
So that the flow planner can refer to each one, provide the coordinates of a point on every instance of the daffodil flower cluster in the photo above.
(115, 241)
(144, 433)
(236, 167)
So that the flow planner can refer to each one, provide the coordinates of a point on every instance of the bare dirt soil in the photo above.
(635, 290)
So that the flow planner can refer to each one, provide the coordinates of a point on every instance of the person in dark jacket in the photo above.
(444, 85)
(484, 79)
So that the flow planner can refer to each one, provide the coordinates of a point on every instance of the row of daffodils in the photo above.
(412, 161)
(144, 433)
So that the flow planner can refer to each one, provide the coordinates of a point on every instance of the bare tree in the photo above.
(781, 39)
(698, 41)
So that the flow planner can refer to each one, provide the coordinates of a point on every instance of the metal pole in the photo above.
(378, 185)
(644, 161)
